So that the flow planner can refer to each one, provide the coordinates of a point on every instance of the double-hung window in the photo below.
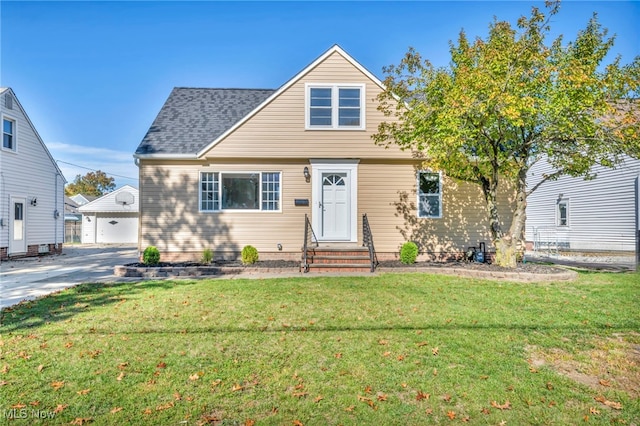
(562, 213)
(429, 195)
(335, 106)
(8, 134)
(240, 191)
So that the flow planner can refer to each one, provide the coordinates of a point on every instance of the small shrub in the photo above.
(207, 256)
(249, 255)
(408, 253)
(151, 256)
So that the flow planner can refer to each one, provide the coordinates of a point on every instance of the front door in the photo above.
(17, 229)
(335, 206)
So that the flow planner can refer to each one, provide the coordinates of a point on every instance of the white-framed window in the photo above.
(8, 134)
(562, 213)
(429, 195)
(258, 191)
(335, 106)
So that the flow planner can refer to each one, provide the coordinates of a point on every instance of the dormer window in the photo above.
(335, 106)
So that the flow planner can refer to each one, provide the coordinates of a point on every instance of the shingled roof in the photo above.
(192, 118)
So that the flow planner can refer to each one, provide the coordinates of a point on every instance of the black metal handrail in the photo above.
(309, 240)
(367, 241)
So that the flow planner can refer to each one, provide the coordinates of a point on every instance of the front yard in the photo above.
(407, 349)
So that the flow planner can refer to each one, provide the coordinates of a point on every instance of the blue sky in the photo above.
(93, 75)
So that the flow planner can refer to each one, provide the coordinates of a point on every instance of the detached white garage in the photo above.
(112, 218)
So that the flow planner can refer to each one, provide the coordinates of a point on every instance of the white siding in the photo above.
(30, 172)
(88, 229)
(601, 212)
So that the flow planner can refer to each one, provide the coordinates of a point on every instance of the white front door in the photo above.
(17, 228)
(335, 206)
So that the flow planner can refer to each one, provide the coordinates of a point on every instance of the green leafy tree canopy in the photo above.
(510, 100)
(93, 183)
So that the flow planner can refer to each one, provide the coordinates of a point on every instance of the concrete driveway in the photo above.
(33, 277)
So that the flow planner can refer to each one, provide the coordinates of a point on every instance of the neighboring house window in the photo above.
(563, 213)
(429, 195)
(335, 106)
(8, 134)
(239, 191)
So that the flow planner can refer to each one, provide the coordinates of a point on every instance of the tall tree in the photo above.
(510, 100)
(93, 183)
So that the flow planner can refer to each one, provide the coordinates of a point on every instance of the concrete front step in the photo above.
(338, 259)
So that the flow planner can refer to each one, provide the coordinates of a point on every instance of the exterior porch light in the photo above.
(307, 175)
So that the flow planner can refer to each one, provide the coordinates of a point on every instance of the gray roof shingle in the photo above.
(192, 118)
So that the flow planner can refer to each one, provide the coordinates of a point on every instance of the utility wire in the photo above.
(94, 170)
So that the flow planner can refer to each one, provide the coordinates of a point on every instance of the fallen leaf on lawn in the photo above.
(68, 345)
(367, 401)
(338, 355)
(177, 396)
(404, 385)
(3, 383)
(297, 423)
(122, 365)
(532, 370)
(593, 410)
(451, 415)
(350, 408)
(435, 371)
(382, 342)
(382, 397)
(605, 382)
(505, 406)
(400, 357)
(161, 365)
(300, 394)
(552, 403)
(421, 344)
(5, 369)
(19, 405)
(59, 408)
(318, 398)
(421, 395)
(237, 387)
(249, 422)
(120, 376)
(466, 419)
(164, 406)
(57, 385)
(81, 420)
(24, 355)
(194, 377)
(83, 391)
(612, 404)
(34, 403)
(387, 353)
(484, 410)
(428, 411)
(434, 351)
(446, 397)
(115, 410)
(549, 386)
(147, 411)
(40, 368)
(367, 389)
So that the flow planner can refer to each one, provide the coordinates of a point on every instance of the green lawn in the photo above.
(407, 349)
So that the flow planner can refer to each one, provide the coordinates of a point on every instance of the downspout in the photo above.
(55, 213)
(136, 161)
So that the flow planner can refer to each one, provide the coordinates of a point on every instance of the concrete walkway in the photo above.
(26, 279)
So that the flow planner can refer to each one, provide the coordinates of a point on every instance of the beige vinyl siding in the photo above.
(184, 230)
(278, 130)
(172, 220)
(387, 193)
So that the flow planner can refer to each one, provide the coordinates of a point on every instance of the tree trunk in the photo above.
(510, 245)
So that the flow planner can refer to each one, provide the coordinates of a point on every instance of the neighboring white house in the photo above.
(31, 187)
(585, 215)
(112, 218)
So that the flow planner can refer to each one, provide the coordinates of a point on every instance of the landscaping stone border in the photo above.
(558, 274)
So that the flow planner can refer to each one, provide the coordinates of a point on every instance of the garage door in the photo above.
(117, 230)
